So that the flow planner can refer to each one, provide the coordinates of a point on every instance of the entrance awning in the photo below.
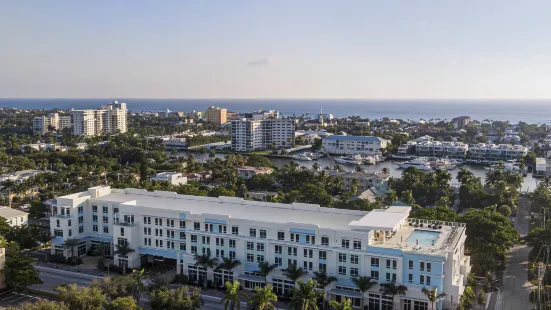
(344, 293)
(248, 277)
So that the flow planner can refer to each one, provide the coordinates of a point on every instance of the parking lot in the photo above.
(12, 298)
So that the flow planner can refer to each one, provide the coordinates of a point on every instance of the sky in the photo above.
(392, 49)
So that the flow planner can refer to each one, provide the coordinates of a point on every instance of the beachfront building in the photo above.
(489, 151)
(14, 217)
(365, 145)
(109, 119)
(383, 244)
(252, 135)
(51, 123)
(441, 149)
(216, 115)
(461, 121)
(174, 178)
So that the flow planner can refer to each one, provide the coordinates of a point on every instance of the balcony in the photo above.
(125, 224)
(60, 216)
(465, 267)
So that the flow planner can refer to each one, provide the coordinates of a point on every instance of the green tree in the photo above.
(139, 276)
(228, 264)
(345, 304)
(115, 287)
(433, 295)
(40, 305)
(85, 298)
(264, 298)
(393, 289)
(122, 250)
(122, 303)
(19, 271)
(306, 296)
(180, 298)
(265, 268)
(466, 301)
(232, 298)
(294, 273)
(363, 283)
(323, 279)
(206, 262)
(70, 245)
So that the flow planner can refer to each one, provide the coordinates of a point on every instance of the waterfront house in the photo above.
(344, 144)
(247, 172)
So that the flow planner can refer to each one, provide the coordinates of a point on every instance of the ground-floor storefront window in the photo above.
(197, 274)
(282, 287)
(380, 302)
(222, 276)
(415, 305)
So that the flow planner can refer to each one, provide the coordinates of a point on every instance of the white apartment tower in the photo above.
(110, 119)
(50, 123)
(252, 135)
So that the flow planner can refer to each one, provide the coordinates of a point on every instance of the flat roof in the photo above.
(7, 212)
(238, 208)
(355, 138)
(385, 220)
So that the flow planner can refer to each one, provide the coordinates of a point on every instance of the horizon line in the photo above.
(263, 98)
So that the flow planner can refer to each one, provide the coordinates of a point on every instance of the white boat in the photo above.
(369, 160)
(402, 156)
(419, 163)
(349, 160)
(507, 167)
(303, 157)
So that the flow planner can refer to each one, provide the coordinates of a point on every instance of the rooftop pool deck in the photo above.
(424, 237)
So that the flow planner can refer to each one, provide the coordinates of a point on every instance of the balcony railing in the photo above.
(60, 216)
(125, 224)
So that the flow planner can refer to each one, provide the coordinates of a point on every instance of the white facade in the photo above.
(439, 149)
(339, 144)
(110, 119)
(174, 178)
(252, 135)
(497, 151)
(382, 244)
(50, 122)
(14, 217)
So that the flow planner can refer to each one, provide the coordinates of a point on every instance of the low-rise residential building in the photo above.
(19, 176)
(247, 172)
(174, 178)
(366, 145)
(14, 217)
(198, 177)
(385, 245)
(541, 167)
(51, 147)
(377, 180)
(489, 151)
(441, 149)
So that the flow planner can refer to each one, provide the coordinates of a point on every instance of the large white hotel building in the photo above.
(383, 244)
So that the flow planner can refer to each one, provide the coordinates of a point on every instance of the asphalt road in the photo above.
(12, 299)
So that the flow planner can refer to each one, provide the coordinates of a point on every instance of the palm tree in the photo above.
(407, 197)
(315, 166)
(265, 268)
(306, 296)
(70, 245)
(206, 262)
(392, 289)
(263, 298)
(232, 299)
(294, 273)
(122, 251)
(433, 295)
(363, 284)
(385, 170)
(391, 196)
(323, 279)
(228, 264)
(345, 304)
(139, 276)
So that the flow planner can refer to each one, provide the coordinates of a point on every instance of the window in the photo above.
(105, 219)
(250, 246)
(278, 249)
(206, 240)
(354, 259)
(279, 261)
(410, 278)
(375, 262)
(292, 251)
(193, 238)
(429, 267)
(324, 240)
(81, 219)
(322, 255)
(95, 228)
(122, 231)
(357, 245)
(263, 233)
(161, 243)
(260, 247)
(354, 272)
(115, 210)
(94, 218)
(422, 279)
(388, 263)
(232, 243)
(375, 275)
(235, 230)
(94, 208)
(342, 270)
(410, 264)
(68, 222)
(342, 258)
(250, 258)
(322, 267)
(105, 229)
(105, 210)
(232, 254)
(182, 246)
(280, 235)
(196, 226)
(422, 266)
(80, 209)
(81, 229)
(427, 280)
(252, 232)
(208, 227)
(345, 243)
(70, 233)
(260, 258)
(193, 249)
(182, 235)
(388, 277)
(182, 224)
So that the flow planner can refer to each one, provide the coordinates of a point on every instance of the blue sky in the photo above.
(276, 49)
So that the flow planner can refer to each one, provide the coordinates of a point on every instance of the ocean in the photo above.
(530, 111)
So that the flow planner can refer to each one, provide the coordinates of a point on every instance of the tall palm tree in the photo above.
(407, 197)
(392, 289)
(385, 170)
(323, 279)
(139, 277)
(294, 273)
(363, 284)
(265, 268)
(433, 295)
(345, 304)
(122, 251)
(306, 296)
(206, 262)
(391, 196)
(263, 298)
(70, 245)
(228, 264)
(232, 298)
